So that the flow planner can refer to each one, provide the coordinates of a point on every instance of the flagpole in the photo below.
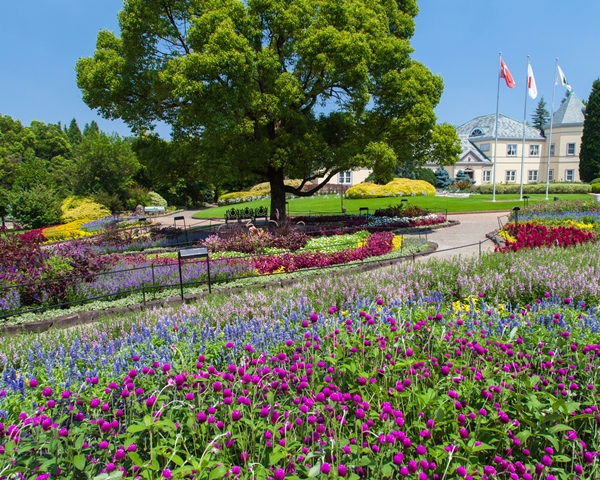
(496, 128)
(524, 120)
(551, 122)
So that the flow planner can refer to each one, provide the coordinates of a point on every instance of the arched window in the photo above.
(477, 132)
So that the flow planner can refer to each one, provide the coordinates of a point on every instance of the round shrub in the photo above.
(82, 208)
(398, 187)
(594, 181)
(595, 187)
(155, 200)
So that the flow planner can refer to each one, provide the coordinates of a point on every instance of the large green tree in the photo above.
(269, 88)
(104, 166)
(589, 156)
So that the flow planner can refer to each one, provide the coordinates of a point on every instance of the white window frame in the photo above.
(345, 178)
(570, 173)
(571, 148)
(552, 149)
(551, 175)
(532, 175)
(486, 176)
(510, 176)
(534, 150)
(511, 150)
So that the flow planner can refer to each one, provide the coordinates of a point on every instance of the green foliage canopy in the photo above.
(589, 156)
(245, 79)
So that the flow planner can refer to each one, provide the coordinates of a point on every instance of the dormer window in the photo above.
(477, 132)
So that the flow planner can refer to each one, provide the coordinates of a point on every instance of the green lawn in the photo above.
(333, 204)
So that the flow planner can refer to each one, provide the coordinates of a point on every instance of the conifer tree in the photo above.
(589, 157)
(541, 116)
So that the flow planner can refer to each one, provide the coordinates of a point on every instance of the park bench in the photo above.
(155, 210)
(247, 213)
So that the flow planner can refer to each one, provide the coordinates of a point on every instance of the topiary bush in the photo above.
(257, 192)
(398, 187)
(595, 187)
(155, 200)
(82, 208)
(554, 188)
(594, 181)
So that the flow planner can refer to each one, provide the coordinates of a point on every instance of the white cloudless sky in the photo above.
(40, 41)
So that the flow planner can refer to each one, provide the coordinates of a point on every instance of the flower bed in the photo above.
(376, 244)
(367, 389)
(534, 235)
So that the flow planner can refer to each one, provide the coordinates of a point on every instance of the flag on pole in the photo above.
(531, 86)
(506, 75)
(563, 80)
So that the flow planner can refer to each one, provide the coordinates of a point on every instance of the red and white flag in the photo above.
(531, 86)
(506, 75)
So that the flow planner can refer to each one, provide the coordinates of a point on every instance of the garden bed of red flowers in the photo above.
(534, 235)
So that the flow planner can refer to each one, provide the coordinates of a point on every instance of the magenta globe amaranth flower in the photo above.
(166, 473)
(325, 468)
(236, 415)
(342, 470)
(279, 474)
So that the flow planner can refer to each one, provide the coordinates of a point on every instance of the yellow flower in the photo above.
(397, 242)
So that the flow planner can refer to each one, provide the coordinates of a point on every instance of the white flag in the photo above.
(531, 86)
(563, 79)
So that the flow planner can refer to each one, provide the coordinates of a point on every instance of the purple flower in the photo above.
(166, 473)
(236, 415)
(325, 468)
(421, 450)
(33, 383)
(342, 471)
(150, 401)
(279, 474)
(103, 445)
(47, 392)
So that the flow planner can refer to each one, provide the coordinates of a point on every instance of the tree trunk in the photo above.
(277, 212)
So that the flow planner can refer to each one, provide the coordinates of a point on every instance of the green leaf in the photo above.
(483, 446)
(275, 457)
(387, 470)
(177, 460)
(314, 470)
(79, 461)
(560, 428)
(523, 435)
(136, 427)
(218, 472)
(135, 458)
(79, 442)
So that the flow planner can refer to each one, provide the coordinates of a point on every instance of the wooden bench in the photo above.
(247, 213)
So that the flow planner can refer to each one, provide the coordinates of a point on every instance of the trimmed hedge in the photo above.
(595, 188)
(257, 192)
(156, 200)
(528, 188)
(399, 187)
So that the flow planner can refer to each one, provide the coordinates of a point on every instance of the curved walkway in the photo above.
(451, 241)
(472, 230)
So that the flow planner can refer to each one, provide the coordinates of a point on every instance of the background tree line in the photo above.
(42, 164)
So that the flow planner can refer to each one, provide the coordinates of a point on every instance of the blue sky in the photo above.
(40, 41)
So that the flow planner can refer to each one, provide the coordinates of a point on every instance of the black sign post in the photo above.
(193, 253)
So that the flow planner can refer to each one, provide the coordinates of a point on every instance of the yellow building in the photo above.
(478, 139)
